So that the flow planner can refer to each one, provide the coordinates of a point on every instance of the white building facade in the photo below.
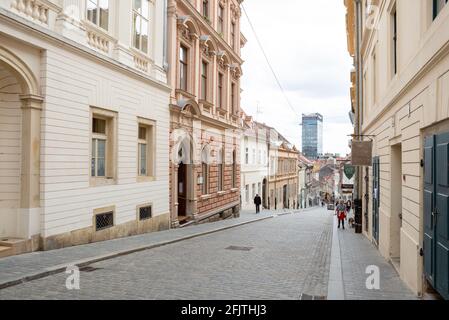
(84, 121)
(254, 164)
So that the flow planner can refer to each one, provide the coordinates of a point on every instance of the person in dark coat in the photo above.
(257, 202)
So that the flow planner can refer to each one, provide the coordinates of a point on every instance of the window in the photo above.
(254, 156)
(145, 148)
(220, 91)
(438, 5)
(206, 8)
(204, 69)
(183, 68)
(98, 13)
(246, 155)
(394, 22)
(99, 140)
(220, 171)
(247, 193)
(145, 213)
(220, 27)
(254, 191)
(141, 16)
(104, 220)
(233, 104)
(233, 35)
(103, 145)
(259, 188)
(259, 159)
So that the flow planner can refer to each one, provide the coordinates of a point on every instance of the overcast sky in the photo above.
(305, 42)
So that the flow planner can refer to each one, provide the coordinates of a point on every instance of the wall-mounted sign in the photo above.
(362, 153)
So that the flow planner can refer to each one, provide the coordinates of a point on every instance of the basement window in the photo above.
(145, 213)
(104, 220)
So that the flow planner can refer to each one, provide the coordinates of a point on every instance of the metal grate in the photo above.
(104, 220)
(89, 269)
(145, 213)
(309, 297)
(236, 248)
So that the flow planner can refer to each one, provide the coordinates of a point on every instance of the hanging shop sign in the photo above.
(362, 153)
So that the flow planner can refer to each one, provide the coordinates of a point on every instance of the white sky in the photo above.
(305, 42)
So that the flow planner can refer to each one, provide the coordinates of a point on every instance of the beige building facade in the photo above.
(283, 172)
(403, 106)
(84, 122)
(204, 43)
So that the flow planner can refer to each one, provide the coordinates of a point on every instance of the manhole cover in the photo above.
(89, 269)
(237, 248)
(309, 297)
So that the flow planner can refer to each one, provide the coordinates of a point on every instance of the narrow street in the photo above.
(286, 257)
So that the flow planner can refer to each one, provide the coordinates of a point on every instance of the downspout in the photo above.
(359, 92)
(165, 62)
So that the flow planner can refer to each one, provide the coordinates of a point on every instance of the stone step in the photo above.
(17, 246)
(6, 252)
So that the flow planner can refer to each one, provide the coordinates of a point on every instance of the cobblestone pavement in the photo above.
(290, 256)
(287, 256)
(357, 253)
(18, 267)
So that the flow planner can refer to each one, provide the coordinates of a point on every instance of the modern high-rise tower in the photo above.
(312, 135)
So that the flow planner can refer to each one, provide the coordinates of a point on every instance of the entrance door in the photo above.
(285, 197)
(182, 190)
(264, 193)
(376, 197)
(396, 204)
(436, 206)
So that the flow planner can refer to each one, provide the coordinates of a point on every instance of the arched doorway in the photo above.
(20, 116)
(184, 181)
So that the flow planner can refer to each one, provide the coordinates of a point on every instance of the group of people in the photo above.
(342, 211)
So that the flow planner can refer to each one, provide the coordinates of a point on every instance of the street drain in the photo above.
(89, 269)
(236, 248)
(309, 297)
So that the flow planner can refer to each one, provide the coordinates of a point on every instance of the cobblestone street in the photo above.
(284, 257)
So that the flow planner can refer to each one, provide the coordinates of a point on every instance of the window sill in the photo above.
(145, 179)
(185, 93)
(99, 182)
(221, 193)
(206, 197)
(235, 190)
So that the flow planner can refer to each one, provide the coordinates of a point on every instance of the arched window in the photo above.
(205, 170)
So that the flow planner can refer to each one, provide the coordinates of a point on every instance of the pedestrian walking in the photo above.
(341, 214)
(257, 202)
(348, 206)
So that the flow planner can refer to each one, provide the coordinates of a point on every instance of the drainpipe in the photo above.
(165, 62)
(359, 92)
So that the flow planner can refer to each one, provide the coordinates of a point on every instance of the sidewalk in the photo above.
(27, 267)
(351, 255)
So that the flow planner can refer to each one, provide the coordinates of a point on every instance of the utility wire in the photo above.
(268, 62)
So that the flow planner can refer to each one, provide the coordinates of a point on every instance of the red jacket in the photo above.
(342, 215)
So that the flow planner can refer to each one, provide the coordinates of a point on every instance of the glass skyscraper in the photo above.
(312, 135)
